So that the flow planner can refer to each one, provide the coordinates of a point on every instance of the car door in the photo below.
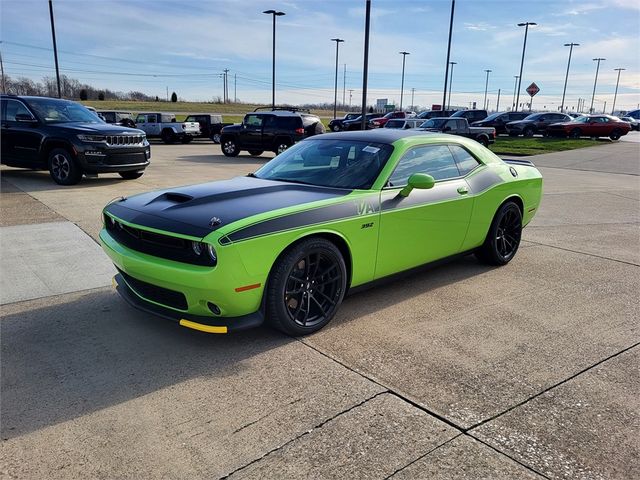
(428, 224)
(19, 131)
(251, 133)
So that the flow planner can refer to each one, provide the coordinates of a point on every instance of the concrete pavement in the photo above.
(463, 371)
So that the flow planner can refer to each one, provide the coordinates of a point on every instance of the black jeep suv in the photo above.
(68, 140)
(273, 130)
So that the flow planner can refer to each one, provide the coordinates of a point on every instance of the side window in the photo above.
(450, 125)
(464, 160)
(110, 117)
(141, 119)
(460, 125)
(253, 120)
(435, 160)
(269, 122)
(152, 118)
(13, 108)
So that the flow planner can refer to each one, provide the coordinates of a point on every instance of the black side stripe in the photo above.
(329, 213)
(483, 180)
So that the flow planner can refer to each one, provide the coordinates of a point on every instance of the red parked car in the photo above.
(380, 122)
(590, 126)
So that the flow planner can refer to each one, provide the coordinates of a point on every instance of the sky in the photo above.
(152, 45)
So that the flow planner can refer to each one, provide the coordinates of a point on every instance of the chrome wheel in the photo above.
(282, 147)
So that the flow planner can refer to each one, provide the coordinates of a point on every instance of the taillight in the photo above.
(300, 131)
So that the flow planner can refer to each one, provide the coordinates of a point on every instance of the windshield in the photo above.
(434, 123)
(493, 116)
(329, 163)
(62, 111)
(533, 116)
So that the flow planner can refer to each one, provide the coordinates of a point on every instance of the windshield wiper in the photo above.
(291, 181)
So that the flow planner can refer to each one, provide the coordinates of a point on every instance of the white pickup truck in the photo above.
(164, 125)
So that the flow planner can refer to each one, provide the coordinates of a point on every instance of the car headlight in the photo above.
(200, 249)
(92, 138)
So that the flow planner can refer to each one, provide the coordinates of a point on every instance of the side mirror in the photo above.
(422, 181)
(25, 118)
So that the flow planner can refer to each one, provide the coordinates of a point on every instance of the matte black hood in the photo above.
(197, 210)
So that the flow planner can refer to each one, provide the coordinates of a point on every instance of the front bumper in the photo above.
(103, 159)
(196, 322)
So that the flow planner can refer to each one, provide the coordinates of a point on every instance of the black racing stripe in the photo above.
(329, 213)
(483, 180)
(153, 221)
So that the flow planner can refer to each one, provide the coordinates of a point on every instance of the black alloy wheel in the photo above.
(63, 168)
(528, 132)
(504, 236)
(306, 287)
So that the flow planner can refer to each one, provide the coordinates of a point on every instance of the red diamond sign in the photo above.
(533, 89)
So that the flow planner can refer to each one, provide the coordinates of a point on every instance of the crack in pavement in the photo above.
(422, 456)
(312, 429)
(583, 253)
(239, 429)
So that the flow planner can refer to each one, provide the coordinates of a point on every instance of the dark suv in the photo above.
(68, 140)
(273, 130)
(471, 115)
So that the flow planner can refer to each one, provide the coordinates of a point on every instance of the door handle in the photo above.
(463, 190)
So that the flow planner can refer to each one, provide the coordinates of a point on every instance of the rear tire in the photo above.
(216, 138)
(186, 139)
(306, 286)
(575, 133)
(281, 146)
(336, 128)
(528, 132)
(132, 175)
(503, 238)
(256, 153)
(168, 137)
(230, 147)
(615, 135)
(63, 168)
(484, 141)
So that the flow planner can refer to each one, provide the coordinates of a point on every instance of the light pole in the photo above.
(564, 91)
(365, 69)
(55, 48)
(335, 92)
(595, 82)
(486, 86)
(446, 72)
(515, 88)
(450, 84)
(404, 56)
(275, 14)
(524, 48)
(615, 95)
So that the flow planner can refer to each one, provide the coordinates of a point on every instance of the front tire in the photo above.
(256, 153)
(306, 287)
(168, 137)
(528, 132)
(230, 147)
(336, 128)
(63, 168)
(132, 175)
(575, 133)
(216, 138)
(503, 238)
(615, 135)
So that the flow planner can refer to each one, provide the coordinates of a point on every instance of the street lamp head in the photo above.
(404, 53)
(453, 63)
(337, 40)
(488, 71)
(599, 59)
(274, 12)
(527, 23)
(619, 69)
(571, 44)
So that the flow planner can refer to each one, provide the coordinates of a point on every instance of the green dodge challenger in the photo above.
(333, 212)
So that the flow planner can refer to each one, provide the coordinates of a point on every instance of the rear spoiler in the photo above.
(514, 161)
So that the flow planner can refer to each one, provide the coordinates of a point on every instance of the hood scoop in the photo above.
(172, 197)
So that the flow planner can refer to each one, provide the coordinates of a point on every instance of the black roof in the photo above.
(378, 135)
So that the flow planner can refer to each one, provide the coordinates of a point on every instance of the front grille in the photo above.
(124, 140)
(163, 296)
(126, 158)
(156, 244)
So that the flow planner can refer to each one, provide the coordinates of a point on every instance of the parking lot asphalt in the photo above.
(462, 371)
